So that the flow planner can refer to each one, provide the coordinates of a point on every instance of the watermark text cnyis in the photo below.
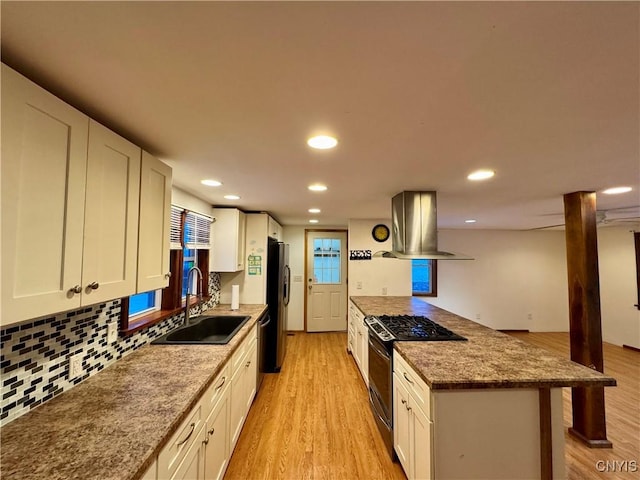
(616, 466)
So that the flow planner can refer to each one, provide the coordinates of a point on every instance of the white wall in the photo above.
(294, 236)
(618, 291)
(187, 201)
(515, 274)
(371, 277)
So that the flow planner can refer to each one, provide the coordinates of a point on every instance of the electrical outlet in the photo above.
(358, 285)
(112, 332)
(384, 290)
(75, 366)
(529, 316)
(477, 316)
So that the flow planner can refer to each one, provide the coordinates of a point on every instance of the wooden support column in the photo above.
(589, 423)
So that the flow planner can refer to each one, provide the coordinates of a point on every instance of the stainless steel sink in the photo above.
(208, 330)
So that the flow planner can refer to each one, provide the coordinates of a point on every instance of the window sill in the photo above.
(150, 319)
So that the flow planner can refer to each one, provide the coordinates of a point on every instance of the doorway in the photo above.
(326, 280)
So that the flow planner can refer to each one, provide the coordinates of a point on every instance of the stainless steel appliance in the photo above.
(278, 277)
(262, 348)
(383, 331)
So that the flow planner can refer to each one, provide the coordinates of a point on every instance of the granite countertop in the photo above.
(489, 359)
(114, 424)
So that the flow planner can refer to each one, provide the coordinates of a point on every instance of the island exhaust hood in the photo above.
(415, 228)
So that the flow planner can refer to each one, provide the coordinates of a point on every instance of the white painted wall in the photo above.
(187, 201)
(515, 274)
(294, 236)
(370, 277)
(618, 291)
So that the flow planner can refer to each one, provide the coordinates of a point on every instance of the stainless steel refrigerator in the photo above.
(278, 278)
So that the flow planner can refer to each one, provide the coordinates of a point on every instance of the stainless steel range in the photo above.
(383, 331)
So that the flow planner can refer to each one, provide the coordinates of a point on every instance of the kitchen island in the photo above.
(491, 405)
(115, 424)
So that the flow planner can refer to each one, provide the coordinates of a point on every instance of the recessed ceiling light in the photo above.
(470, 221)
(322, 142)
(481, 175)
(617, 190)
(314, 210)
(232, 197)
(314, 220)
(317, 187)
(211, 183)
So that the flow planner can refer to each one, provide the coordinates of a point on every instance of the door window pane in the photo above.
(326, 260)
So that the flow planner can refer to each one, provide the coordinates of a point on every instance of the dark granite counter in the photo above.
(489, 359)
(114, 424)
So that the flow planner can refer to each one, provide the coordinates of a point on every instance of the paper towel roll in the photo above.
(235, 297)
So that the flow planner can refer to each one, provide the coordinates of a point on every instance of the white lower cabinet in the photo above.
(412, 432)
(243, 385)
(203, 444)
(359, 341)
(470, 433)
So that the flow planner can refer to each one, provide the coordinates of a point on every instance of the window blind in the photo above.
(197, 231)
(175, 237)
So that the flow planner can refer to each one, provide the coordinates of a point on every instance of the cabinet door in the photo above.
(192, 466)
(217, 441)
(111, 216)
(251, 367)
(155, 216)
(402, 425)
(44, 155)
(238, 405)
(228, 238)
(421, 444)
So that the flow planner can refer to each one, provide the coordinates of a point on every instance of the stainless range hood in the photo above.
(415, 228)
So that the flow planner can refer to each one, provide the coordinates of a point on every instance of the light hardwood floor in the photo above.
(312, 420)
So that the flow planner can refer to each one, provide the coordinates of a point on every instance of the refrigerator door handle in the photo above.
(287, 279)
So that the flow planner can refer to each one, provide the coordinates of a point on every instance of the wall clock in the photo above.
(380, 233)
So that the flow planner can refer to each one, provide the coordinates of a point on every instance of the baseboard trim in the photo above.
(635, 349)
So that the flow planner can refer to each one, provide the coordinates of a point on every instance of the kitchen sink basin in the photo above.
(208, 330)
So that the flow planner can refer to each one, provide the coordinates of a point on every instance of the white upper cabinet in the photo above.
(275, 229)
(228, 240)
(111, 216)
(44, 164)
(70, 198)
(155, 216)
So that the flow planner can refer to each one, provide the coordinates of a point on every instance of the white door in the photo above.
(326, 281)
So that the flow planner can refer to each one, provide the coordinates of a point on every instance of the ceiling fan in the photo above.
(611, 217)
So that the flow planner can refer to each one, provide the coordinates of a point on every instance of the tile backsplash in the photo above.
(35, 355)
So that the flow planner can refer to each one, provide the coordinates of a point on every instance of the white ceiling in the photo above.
(419, 94)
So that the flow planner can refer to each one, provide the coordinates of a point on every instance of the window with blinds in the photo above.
(197, 229)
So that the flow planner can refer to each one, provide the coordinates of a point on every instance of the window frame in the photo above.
(433, 281)
(172, 301)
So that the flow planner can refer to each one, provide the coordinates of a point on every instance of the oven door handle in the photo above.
(380, 352)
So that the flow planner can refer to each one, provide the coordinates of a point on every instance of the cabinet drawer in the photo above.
(238, 356)
(177, 447)
(416, 387)
(216, 390)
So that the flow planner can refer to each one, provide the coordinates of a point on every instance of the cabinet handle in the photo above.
(248, 363)
(76, 289)
(205, 441)
(224, 379)
(210, 432)
(404, 402)
(93, 285)
(407, 378)
(167, 275)
(193, 426)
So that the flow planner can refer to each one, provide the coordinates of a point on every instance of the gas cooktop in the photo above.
(409, 328)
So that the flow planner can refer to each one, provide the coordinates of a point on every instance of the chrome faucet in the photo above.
(188, 299)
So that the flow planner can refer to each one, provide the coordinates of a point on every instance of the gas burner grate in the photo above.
(413, 327)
